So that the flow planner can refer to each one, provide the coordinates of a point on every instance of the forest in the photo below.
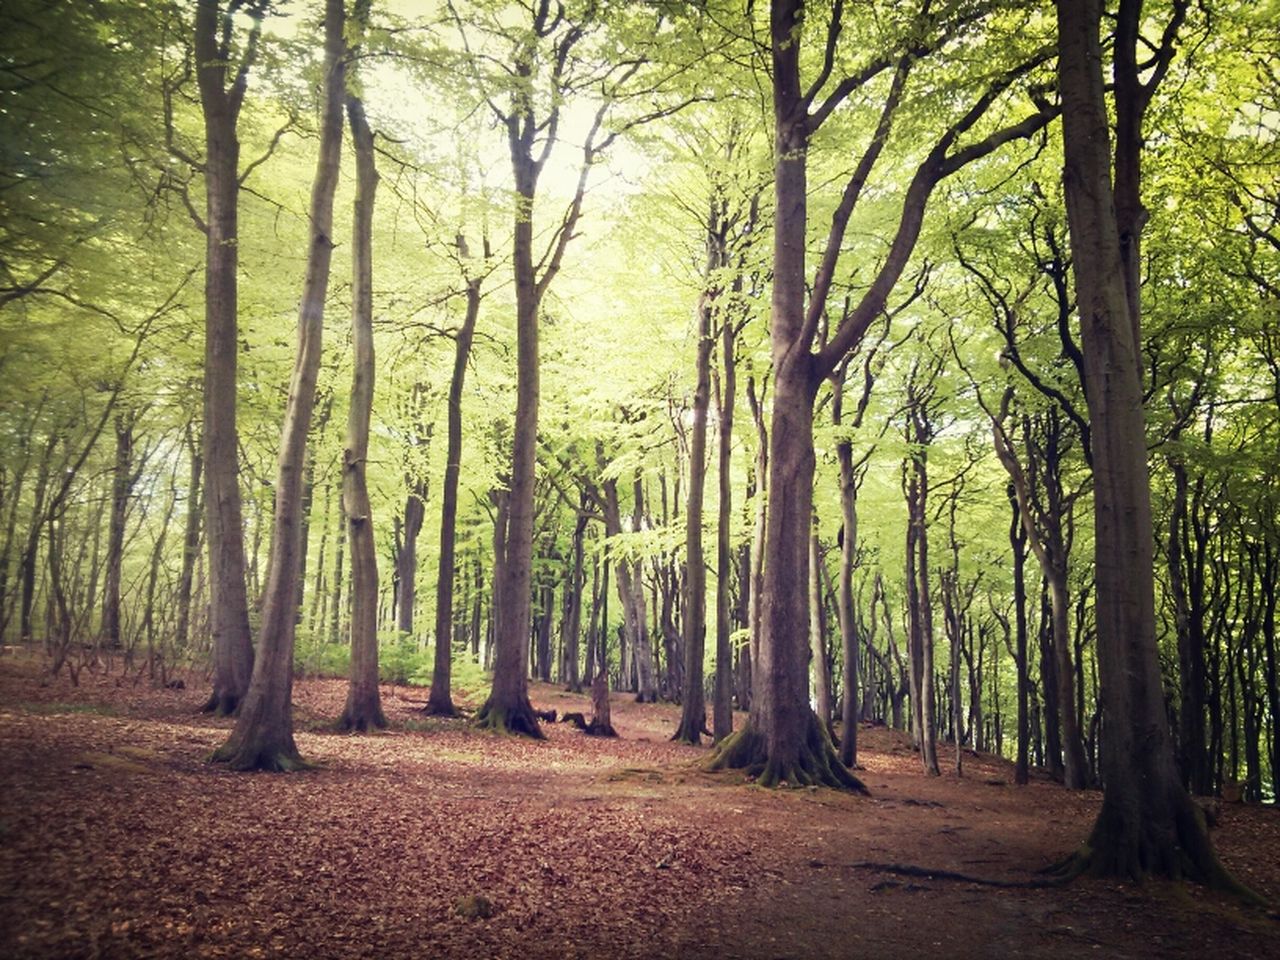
(563, 399)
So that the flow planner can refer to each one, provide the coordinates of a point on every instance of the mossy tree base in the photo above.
(1116, 849)
(273, 759)
(814, 763)
(691, 732)
(361, 721)
(222, 703)
(440, 706)
(518, 718)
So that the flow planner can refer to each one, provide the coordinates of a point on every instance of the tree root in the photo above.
(815, 763)
(518, 719)
(911, 870)
(221, 704)
(285, 760)
(440, 706)
(360, 721)
(1181, 850)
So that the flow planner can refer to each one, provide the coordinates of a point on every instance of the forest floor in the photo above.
(117, 839)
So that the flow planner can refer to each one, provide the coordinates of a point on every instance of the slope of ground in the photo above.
(436, 840)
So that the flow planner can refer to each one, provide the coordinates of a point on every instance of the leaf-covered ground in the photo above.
(117, 840)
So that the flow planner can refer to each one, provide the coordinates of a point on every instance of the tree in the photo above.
(262, 738)
(439, 701)
(1148, 824)
(783, 741)
(221, 103)
(363, 708)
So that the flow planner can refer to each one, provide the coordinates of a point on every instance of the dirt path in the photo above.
(117, 840)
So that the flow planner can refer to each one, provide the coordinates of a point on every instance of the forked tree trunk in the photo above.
(440, 700)
(364, 703)
(263, 734)
(1148, 824)
(783, 741)
(233, 654)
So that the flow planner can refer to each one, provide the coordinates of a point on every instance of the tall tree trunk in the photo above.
(928, 722)
(440, 700)
(338, 596)
(190, 542)
(573, 609)
(693, 714)
(364, 704)
(233, 654)
(263, 734)
(507, 708)
(844, 596)
(755, 601)
(722, 709)
(1148, 823)
(1018, 545)
(121, 490)
(818, 648)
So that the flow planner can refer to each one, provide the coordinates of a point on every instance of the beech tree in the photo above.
(263, 735)
(364, 707)
(783, 741)
(1148, 823)
(222, 95)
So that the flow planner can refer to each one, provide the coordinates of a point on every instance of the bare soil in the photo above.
(117, 839)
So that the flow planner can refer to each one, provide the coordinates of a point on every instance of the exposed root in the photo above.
(1112, 851)
(518, 719)
(911, 870)
(815, 763)
(270, 760)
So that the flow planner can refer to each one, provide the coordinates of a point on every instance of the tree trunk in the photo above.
(507, 708)
(364, 704)
(121, 489)
(573, 609)
(693, 714)
(1018, 546)
(1148, 824)
(844, 595)
(190, 543)
(818, 649)
(722, 710)
(440, 700)
(263, 734)
(233, 654)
